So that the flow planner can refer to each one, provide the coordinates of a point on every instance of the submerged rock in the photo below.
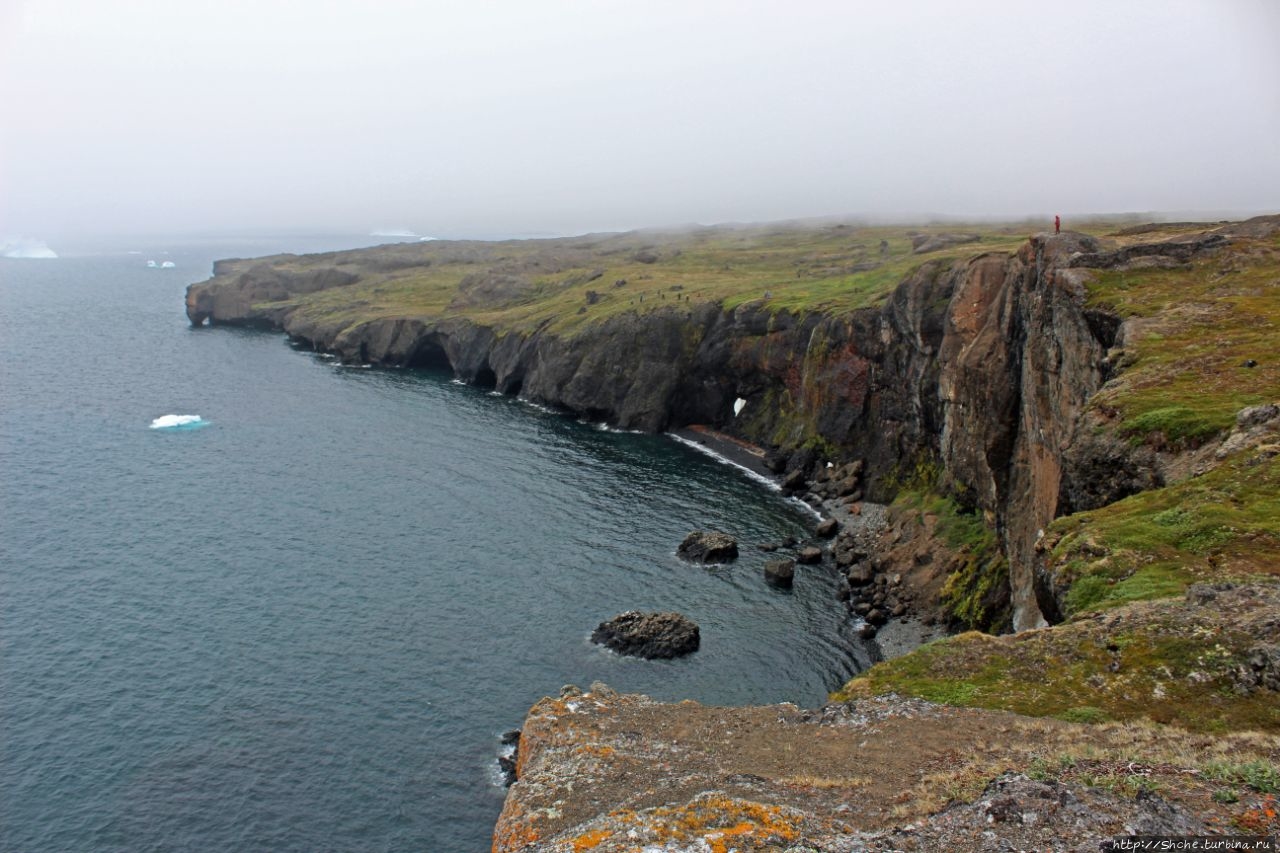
(648, 635)
(708, 546)
(780, 573)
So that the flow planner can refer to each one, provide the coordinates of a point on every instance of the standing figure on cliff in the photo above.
(1057, 224)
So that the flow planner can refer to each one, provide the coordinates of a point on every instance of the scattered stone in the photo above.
(867, 631)
(1250, 363)
(809, 555)
(1257, 415)
(648, 635)
(876, 617)
(1260, 670)
(780, 573)
(827, 528)
(708, 546)
(767, 547)
(789, 542)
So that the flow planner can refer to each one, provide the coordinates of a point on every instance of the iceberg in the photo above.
(178, 422)
(25, 247)
(168, 265)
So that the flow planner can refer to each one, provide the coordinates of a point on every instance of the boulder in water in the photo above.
(708, 546)
(648, 635)
(780, 573)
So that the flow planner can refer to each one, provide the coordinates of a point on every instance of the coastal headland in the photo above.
(1075, 440)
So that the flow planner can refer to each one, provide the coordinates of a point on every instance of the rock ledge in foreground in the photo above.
(648, 635)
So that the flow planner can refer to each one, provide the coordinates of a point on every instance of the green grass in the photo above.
(1155, 543)
(798, 268)
(1261, 776)
(1184, 377)
(1152, 662)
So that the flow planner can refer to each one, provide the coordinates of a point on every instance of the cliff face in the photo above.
(981, 365)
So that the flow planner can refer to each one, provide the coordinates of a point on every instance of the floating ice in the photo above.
(178, 422)
(25, 247)
(152, 264)
(392, 232)
(168, 265)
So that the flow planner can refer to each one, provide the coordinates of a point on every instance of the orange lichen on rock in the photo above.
(719, 821)
(590, 840)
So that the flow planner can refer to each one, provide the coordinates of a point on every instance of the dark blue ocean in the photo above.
(304, 626)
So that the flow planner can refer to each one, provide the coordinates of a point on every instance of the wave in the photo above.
(179, 422)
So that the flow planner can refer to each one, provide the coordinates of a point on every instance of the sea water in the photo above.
(304, 626)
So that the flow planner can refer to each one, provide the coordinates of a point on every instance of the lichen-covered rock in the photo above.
(708, 546)
(611, 773)
(648, 635)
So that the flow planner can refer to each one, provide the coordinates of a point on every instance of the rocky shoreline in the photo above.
(846, 535)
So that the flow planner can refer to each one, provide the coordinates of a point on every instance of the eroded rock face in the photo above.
(648, 635)
(708, 546)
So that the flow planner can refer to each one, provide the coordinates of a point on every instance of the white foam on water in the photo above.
(178, 422)
(547, 410)
(759, 478)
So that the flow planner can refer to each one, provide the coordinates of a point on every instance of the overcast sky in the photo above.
(474, 118)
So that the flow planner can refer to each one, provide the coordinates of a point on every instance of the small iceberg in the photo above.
(179, 422)
(152, 265)
(168, 265)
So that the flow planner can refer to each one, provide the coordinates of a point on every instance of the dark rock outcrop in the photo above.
(708, 546)
(648, 635)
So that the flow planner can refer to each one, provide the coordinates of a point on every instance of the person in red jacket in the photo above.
(1057, 224)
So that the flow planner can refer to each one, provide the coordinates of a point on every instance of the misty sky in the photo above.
(474, 118)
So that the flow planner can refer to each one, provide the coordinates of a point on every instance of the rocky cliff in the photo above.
(981, 364)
